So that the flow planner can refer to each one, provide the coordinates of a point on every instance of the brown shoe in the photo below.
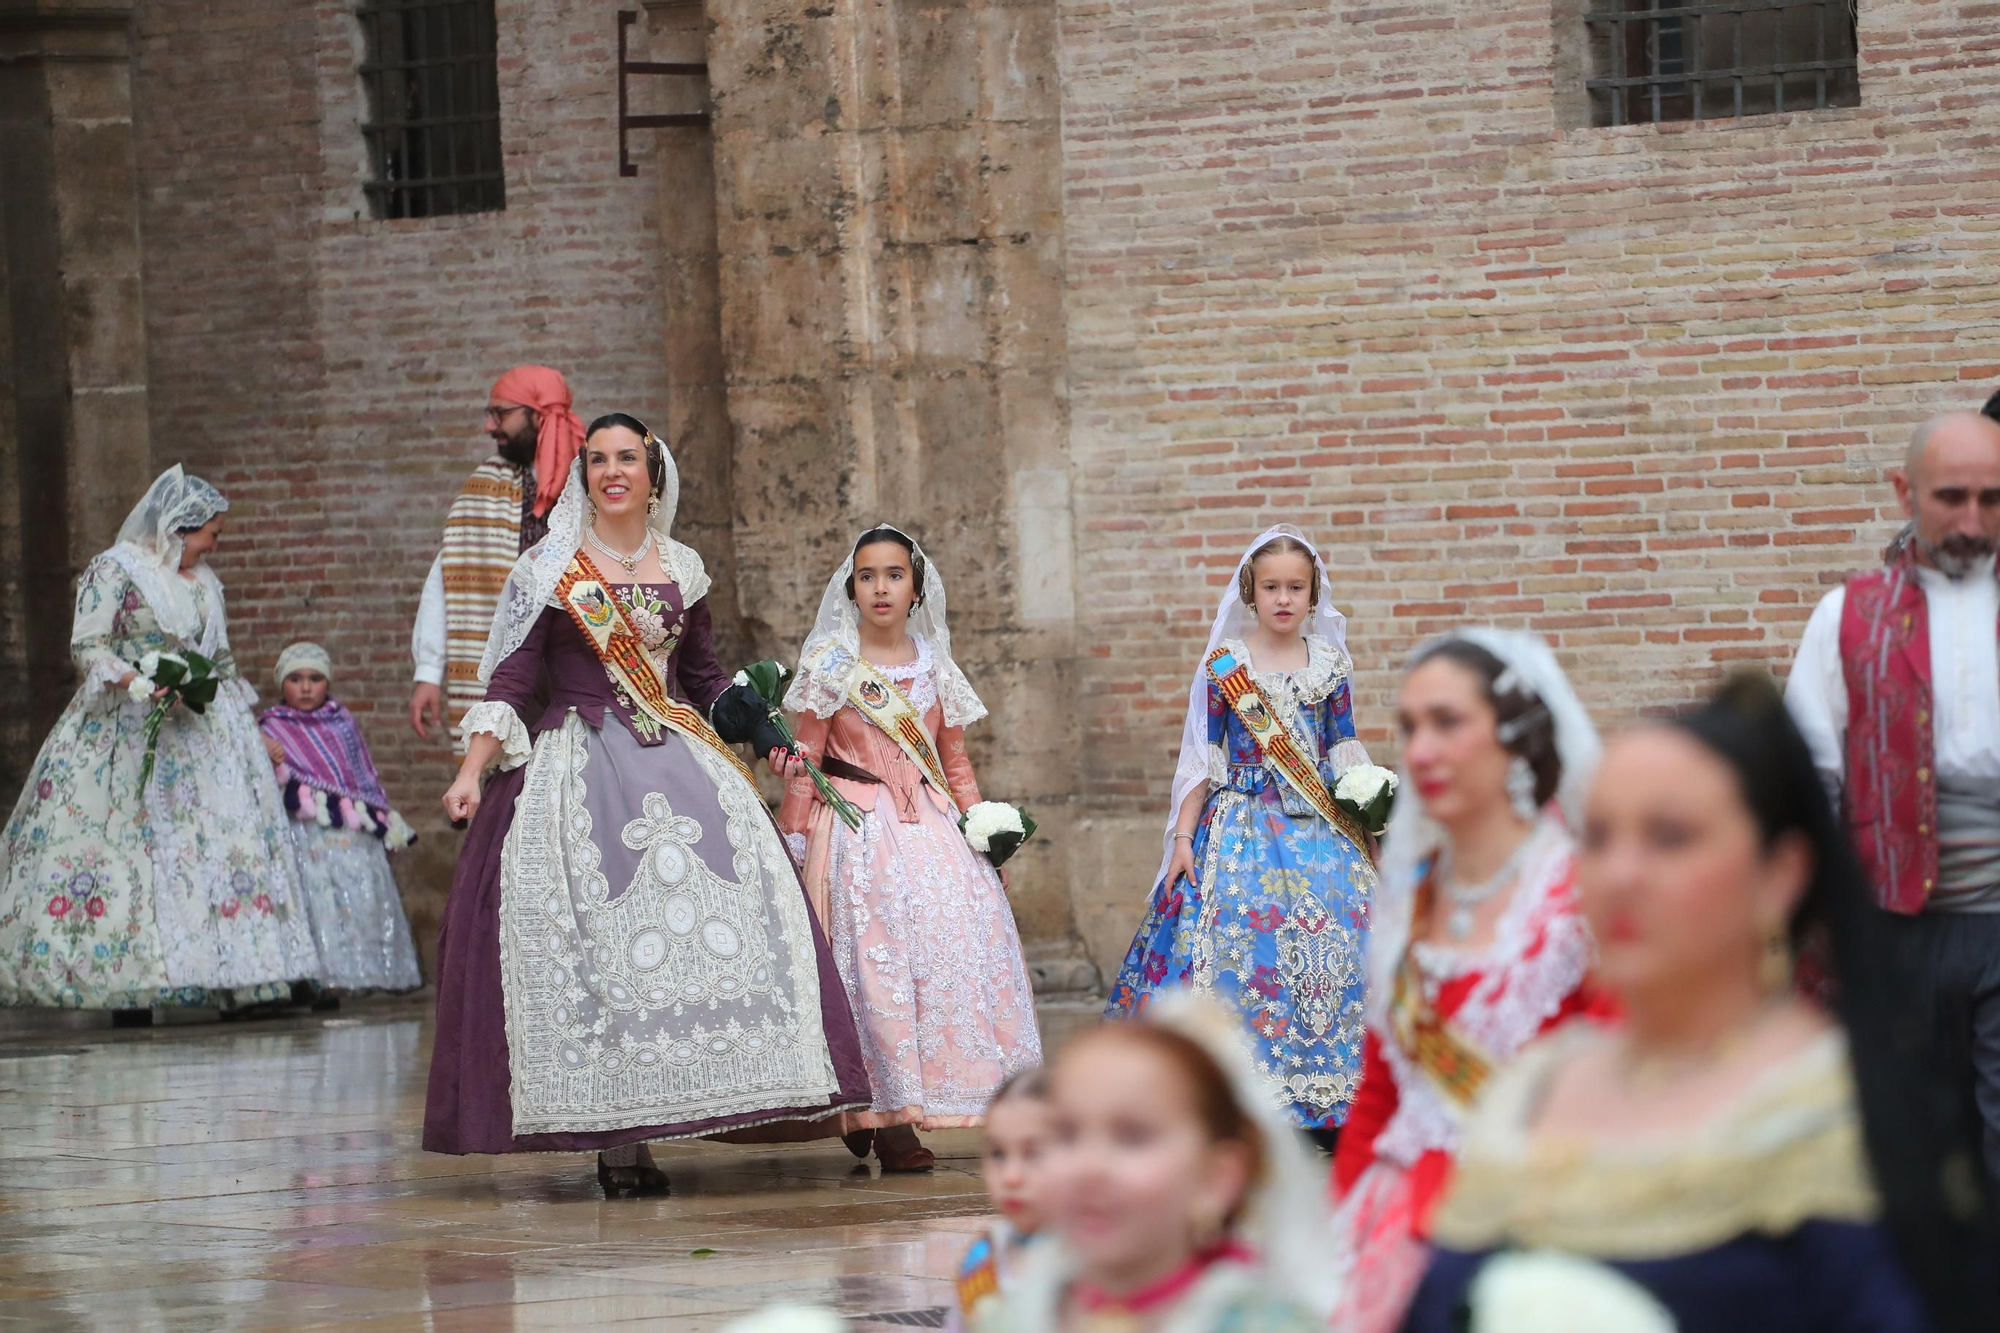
(898, 1149)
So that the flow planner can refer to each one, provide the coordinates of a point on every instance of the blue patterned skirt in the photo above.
(1273, 928)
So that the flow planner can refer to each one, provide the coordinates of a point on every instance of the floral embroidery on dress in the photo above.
(649, 617)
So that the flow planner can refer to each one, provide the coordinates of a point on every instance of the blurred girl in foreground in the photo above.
(1180, 1198)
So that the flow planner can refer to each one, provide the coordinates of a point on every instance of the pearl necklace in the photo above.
(1463, 901)
(631, 562)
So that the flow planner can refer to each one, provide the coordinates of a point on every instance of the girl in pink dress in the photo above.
(918, 921)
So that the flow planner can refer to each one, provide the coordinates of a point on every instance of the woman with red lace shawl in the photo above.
(1478, 944)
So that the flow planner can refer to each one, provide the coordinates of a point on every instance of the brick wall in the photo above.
(1633, 388)
(328, 370)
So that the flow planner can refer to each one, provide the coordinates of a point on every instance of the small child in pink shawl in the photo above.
(342, 830)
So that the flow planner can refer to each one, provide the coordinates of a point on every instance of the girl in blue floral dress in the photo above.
(1262, 896)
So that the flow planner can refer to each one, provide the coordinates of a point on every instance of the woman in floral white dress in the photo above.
(118, 897)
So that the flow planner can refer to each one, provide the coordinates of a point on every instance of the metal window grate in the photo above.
(434, 103)
(1662, 60)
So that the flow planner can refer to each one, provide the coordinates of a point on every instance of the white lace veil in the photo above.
(1232, 620)
(532, 585)
(1413, 837)
(839, 622)
(149, 550)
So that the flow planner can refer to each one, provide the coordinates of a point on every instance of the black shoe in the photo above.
(640, 1180)
(131, 1018)
(1326, 1140)
(861, 1142)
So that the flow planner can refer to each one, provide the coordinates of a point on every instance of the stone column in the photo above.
(891, 279)
(73, 432)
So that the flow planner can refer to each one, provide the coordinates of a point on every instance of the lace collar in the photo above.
(1326, 666)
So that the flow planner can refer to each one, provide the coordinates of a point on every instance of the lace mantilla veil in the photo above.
(1413, 837)
(532, 585)
(149, 550)
(822, 693)
(1232, 621)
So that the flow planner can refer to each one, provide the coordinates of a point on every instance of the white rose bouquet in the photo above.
(188, 678)
(1368, 793)
(996, 830)
(1544, 1292)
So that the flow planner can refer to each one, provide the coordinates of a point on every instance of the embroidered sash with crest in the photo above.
(597, 612)
(878, 699)
(1281, 750)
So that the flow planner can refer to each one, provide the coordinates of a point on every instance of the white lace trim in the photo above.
(1218, 767)
(1514, 996)
(493, 718)
(1349, 753)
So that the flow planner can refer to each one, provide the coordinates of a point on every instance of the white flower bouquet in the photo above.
(189, 679)
(1544, 1292)
(1367, 792)
(996, 830)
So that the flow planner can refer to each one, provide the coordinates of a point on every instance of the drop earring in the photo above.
(1521, 788)
(652, 506)
(1774, 967)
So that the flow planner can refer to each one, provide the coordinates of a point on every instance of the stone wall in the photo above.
(1634, 388)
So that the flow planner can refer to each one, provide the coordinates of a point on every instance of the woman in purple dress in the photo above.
(627, 954)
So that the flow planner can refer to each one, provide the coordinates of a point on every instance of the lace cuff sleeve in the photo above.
(1349, 753)
(498, 719)
(1218, 768)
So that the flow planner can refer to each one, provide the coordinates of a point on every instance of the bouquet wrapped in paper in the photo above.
(996, 830)
(188, 678)
(1368, 793)
(769, 679)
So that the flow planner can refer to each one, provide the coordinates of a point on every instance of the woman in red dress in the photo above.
(1478, 943)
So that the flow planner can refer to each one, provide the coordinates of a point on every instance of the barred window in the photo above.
(1660, 60)
(430, 69)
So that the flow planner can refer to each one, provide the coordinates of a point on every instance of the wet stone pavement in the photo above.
(269, 1176)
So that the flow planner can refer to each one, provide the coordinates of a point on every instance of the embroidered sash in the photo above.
(1455, 1065)
(608, 629)
(1281, 750)
(878, 699)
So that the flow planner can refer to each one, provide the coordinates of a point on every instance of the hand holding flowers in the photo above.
(996, 829)
(167, 678)
(769, 678)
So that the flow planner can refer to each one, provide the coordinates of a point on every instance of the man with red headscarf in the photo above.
(501, 511)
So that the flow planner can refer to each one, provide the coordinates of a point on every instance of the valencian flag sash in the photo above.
(877, 698)
(1281, 750)
(597, 611)
(1456, 1065)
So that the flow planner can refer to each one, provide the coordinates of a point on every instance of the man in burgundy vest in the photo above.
(1897, 688)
